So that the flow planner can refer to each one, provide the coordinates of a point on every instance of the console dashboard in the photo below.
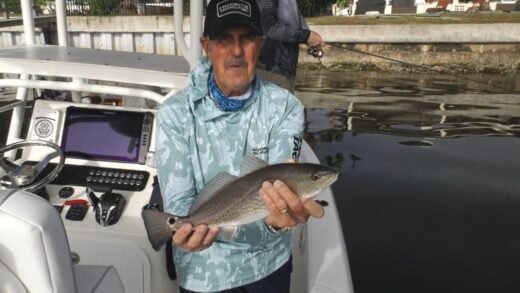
(109, 152)
(106, 147)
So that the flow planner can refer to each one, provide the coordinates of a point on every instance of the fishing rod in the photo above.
(318, 53)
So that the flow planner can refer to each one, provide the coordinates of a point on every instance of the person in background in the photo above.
(226, 113)
(285, 29)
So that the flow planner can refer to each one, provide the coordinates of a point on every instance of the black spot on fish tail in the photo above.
(158, 227)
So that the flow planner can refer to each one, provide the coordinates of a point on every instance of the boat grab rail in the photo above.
(84, 87)
(10, 106)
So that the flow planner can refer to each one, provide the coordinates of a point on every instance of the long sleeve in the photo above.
(173, 161)
(286, 138)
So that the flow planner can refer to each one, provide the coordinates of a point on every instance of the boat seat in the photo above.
(35, 255)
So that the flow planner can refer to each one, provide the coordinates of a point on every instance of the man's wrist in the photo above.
(304, 36)
(275, 230)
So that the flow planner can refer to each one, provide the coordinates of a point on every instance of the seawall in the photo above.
(491, 48)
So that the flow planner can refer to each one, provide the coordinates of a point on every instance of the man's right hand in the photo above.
(315, 40)
(190, 238)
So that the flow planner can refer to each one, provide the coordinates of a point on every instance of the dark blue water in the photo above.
(429, 196)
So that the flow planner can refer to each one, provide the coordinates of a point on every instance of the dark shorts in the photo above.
(277, 282)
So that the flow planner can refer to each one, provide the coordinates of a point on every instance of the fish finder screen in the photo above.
(100, 134)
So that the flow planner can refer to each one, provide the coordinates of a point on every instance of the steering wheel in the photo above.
(24, 176)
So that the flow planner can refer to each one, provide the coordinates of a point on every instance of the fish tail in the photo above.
(159, 227)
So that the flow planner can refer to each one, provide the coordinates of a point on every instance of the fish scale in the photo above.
(229, 208)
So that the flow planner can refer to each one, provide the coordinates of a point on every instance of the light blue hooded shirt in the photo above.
(196, 141)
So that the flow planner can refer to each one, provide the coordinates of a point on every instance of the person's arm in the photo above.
(286, 209)
(314, 39)
(173, 161)
(286, 137)
(176, 180)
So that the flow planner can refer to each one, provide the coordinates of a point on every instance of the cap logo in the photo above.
(225, 8)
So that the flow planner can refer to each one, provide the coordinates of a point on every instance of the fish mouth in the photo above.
(311, 195)
(326, 185)
(333, 179)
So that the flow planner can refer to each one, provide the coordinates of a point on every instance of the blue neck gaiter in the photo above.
(223, 102)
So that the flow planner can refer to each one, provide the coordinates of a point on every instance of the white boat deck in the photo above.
(137, 68)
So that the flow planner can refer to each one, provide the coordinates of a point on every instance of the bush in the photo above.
(305, 7)
(104, 7)
(343, 3)
(14, 6)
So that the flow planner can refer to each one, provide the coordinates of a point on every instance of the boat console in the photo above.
(105, 182)
(98, 135)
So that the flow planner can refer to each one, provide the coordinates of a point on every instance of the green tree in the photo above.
(14, 6)
(104, 7)
(315, 7)
(343, 3)
(305, 7)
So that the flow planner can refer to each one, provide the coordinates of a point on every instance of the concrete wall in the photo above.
(144, 34)
(474, 47)
(450, 47)
(421, 33)
(14, 36)
(489, 58)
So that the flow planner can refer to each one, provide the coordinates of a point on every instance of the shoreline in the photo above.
(491, 58)
(439, 48)
(396, 67)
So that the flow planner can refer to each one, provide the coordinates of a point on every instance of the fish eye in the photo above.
(315, 176)
(171, 221)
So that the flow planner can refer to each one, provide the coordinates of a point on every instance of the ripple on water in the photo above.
(430, 175)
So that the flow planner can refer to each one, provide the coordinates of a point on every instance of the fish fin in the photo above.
(159, 227)
(228, 232)
(211, 189)
(250, 164)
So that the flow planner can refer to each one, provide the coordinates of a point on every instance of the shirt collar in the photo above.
(202, 103)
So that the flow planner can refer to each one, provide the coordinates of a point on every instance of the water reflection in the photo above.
(428, 196)
(427, 109)
(409, 84)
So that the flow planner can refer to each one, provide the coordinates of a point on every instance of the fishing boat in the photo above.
(77, 169)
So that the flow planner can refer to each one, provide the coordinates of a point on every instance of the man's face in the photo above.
(234, 55)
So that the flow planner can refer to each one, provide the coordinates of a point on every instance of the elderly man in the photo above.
(226, 113)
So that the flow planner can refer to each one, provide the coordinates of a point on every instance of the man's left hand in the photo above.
(286, 209)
